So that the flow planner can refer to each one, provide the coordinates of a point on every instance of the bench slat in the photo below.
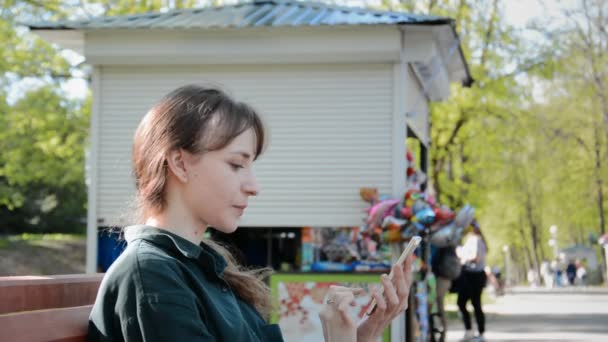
(66, 324)
(47, 292)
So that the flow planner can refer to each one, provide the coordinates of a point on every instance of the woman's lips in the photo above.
(240, 209)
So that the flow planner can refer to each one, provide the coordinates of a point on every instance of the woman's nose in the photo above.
(251, 186)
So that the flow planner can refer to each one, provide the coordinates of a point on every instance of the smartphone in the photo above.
(409, 250)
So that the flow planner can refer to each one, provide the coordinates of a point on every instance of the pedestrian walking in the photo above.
(581, 273)
(473, 259)
(571, 272)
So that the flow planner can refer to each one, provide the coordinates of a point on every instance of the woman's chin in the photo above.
(227, 228)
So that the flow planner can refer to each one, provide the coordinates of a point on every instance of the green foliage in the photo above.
(43, 135)
(524, 160)
(42, 167)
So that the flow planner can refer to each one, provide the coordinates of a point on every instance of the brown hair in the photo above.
(196, 119)
(477, 230)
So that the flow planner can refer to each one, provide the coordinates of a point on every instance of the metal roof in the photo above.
(264, 13)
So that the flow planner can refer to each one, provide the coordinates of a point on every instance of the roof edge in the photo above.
(77, 23)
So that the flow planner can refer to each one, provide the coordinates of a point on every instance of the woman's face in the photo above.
(220, 183)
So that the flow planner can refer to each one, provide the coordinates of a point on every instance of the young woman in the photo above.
(192, 161)
(473, 257)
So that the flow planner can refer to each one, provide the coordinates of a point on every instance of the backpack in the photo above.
(446, 263)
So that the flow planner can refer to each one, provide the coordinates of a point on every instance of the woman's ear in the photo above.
(177, 164)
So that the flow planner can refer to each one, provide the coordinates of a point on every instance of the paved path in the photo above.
(540, 315)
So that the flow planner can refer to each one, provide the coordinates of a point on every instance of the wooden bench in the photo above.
(47, 308)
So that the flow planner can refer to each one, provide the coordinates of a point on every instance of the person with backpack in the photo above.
(446, 267)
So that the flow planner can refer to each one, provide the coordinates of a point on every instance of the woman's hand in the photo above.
(389, 305)
(338, 325)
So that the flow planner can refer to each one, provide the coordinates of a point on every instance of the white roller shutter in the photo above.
(330, 130)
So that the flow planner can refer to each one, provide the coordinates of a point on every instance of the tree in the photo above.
(516, 153)
(45, 135)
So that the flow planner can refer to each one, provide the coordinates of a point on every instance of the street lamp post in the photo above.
(553, 240)
(555, 281)
(505, 250)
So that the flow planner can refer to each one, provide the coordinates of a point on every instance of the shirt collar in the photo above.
(167, 240)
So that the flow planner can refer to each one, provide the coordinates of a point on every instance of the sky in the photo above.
(517, 12)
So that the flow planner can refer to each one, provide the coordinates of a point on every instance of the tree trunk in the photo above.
(533, 233)
(599, 180)
(527, 255)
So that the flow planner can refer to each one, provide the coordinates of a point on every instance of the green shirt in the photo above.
(165, 288)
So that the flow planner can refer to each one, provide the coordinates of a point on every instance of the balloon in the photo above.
(418, 226)
(444, 214)
(410, 231)
(465, 216)
(393, 221)
(409, 194)
(418, 177)
(430, 199)
(425, 216)
(449, 235)
(406, 212)
(393, 235)
(419, 205)
(380, 210)
(397, 211)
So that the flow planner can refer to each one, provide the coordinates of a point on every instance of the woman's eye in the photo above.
(236, 166)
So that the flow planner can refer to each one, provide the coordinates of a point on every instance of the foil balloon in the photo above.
(393, 235)
(444, 214)
(448, 235)
(458, 232)
(465, 216)
(408, 194)
(397, 211)
(410, 231)
(418, 226)
(406, 212)
(419, 205)
(430, 199)
(380, 210)
(426, 216)
(391, 221)
(416, 177)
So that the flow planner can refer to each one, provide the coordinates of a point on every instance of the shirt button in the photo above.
(224, 289)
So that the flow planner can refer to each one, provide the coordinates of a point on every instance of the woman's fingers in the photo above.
(400, 283)
(357, 291)
(407, 269)
(343, 308)
(335, 289)
(337, 321)
(390, 302)
(390, 294)
(341, 299)
(380, 303)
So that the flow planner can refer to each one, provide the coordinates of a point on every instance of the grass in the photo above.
(42, 254)
(33, 239)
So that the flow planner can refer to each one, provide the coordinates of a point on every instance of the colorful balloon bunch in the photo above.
(397, 220)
